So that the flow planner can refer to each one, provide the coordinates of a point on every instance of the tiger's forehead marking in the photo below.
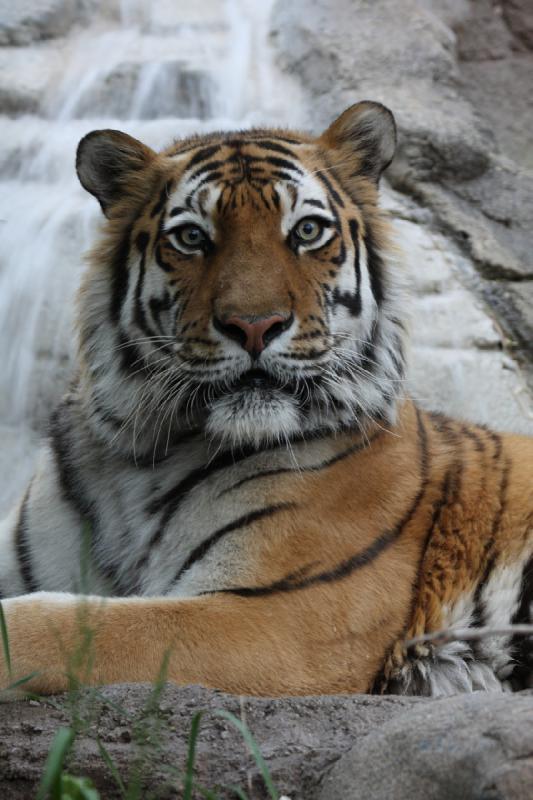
(263, 164)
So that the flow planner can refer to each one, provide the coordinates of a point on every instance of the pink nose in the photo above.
(254, 333)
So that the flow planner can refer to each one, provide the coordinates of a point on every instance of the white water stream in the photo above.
(157, 70)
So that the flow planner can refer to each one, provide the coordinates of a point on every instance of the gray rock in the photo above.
(25, 21)
(497, 90)
(479, 746)
(471, 743)
(438, 135)
(519, 16)
(486, 39)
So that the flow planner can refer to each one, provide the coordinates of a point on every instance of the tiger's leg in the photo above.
(264, 645)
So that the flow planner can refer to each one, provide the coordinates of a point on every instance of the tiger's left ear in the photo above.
(366, 135)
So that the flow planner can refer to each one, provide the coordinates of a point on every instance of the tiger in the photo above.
(237, 483)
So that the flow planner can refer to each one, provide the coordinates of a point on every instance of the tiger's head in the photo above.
(241, 284)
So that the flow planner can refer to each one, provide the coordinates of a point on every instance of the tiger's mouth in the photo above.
(257, 379)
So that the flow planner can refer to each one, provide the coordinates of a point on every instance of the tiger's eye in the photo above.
(307, 230)
(191, 235)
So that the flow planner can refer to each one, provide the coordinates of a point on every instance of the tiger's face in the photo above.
(246, 277)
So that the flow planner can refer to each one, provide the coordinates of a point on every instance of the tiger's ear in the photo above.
(109, 162)
(366, 133)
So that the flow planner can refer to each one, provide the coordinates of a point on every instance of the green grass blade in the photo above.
(112, 767)
(253, 747)
(51, 780)
(72, 788)
(191, 755)
(5, 641)
(22, 681)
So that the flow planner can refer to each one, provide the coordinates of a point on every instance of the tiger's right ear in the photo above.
(365, 135)
(109, 162)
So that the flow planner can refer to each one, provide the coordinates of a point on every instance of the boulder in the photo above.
(475, 746)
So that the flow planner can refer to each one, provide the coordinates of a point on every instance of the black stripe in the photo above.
(333, 192)
(278, 148)
(498, 445)
(522, 646)
(375, 267)
(159, 259)
(316, 203)
(22, 547)
(131, 358)
(438, 506)
(355, 448)
(71, 488)
(141, 243)
(477, 441)
(120, 274)
(352, 301)
(279, 162)
(212, 176)
(177, 210)
(277, 173)
(210, 166)
(203, 154)
(367, 358)
(158, 207)
(157, 306)
(242, 522)
(478, 618)
(478, 615)
(364, 557)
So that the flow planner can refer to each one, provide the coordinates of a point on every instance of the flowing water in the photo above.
(156, 70)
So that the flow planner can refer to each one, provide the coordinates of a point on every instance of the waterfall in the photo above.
(157, 70)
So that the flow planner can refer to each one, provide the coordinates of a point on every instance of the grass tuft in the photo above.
(253, 747)
(5, 641)
(50, 785)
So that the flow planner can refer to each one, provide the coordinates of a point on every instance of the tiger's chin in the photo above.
(254, 417)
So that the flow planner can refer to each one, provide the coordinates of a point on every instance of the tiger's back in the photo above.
(262, 501)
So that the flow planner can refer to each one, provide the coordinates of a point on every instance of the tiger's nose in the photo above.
(254, 333)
